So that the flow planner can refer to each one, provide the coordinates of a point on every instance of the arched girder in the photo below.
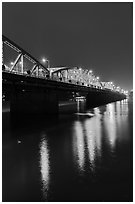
(75, 75)
(18, 49)
(61, 73)
(61, 69)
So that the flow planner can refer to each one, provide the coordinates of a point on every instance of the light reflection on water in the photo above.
(79, 149)
(44, 165)
(87, 138)
(88, 132)
(78, 144)
(122, 113)
(110, 124)
(93, 137)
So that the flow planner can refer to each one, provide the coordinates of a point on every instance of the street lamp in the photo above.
(44, 61)
(11, 63)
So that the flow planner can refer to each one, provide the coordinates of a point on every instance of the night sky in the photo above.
(97, 36)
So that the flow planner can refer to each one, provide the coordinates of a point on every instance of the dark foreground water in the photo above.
(70, 158)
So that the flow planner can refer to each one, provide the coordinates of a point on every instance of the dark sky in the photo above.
(97, 36)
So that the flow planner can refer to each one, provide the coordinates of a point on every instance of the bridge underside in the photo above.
(28, 96)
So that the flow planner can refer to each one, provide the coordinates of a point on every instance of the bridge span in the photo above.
(31, 88)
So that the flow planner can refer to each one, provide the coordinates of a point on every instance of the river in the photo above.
(70, 158)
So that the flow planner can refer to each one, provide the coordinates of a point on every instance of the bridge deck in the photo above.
(25, 80)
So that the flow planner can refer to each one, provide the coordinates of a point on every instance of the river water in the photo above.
(70, 158)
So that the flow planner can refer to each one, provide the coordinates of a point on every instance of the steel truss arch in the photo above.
(21, 53)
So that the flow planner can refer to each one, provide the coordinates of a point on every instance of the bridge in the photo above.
(31, 87)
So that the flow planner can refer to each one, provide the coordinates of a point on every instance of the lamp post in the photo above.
(44, 61)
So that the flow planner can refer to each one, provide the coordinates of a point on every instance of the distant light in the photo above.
(90, 71)
(11, 63)
(18, 141)
(97, 78)
(44, 60)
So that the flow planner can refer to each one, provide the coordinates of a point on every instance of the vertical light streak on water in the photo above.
(90, 138)
(118, 114)
(110, 124)
(78, 144)
(118, 117)
(93, 137)
(98, 130)
(44, 166)
(122, 119)
(78, 106)
(124, 107)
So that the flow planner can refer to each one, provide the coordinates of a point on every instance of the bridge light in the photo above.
(11, 63)
(44, 60)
